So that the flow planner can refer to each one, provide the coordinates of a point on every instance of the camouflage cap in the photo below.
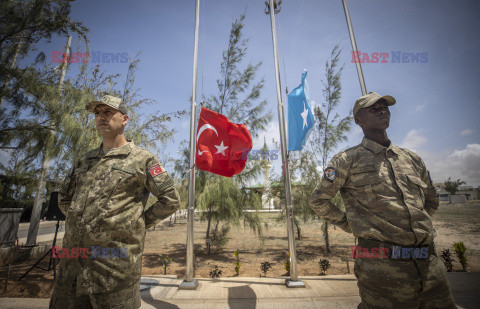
(108, 100)
(370, 99)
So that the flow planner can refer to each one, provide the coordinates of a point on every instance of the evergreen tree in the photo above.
(238, 98)
(22, 25)
(330, 128)
(302, 164)
(74, 128)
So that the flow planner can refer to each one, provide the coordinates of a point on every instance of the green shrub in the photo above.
(165, 260)
(324, 266)
(286, 263)
(447, 259)
(265, 267)
(460, 251)
(237, 263)
(219, 237)
(215, 273)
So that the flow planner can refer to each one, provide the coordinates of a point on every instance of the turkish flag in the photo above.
(222, 146)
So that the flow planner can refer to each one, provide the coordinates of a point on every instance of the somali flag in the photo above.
(300, 117)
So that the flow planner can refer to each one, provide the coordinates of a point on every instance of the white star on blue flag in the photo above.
(300, 116)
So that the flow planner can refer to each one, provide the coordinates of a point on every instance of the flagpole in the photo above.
(354, 48)
(293, 282)
(189, 283)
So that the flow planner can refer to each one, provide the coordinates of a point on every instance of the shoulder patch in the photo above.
(156, 170)
(330, 174)
(163, 182)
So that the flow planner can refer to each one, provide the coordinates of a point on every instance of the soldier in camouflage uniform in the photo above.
(104, 200)
(389, 200)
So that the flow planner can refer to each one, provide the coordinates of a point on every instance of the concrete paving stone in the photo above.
(337, 292)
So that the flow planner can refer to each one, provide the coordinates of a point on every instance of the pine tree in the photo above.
(239, 93)
(238, 98)
(22, 25)
(74, 127)
(330, 129)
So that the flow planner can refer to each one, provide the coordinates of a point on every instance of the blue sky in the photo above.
(437, 110)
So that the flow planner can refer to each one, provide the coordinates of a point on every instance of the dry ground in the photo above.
(453, 223)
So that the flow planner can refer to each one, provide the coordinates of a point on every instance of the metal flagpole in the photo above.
(189, 283)
(293, 282)
(354, 48)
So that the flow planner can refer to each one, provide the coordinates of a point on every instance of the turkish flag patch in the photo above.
(156, 170)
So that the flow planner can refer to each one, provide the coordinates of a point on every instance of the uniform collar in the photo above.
(124, 150)
(376, 148)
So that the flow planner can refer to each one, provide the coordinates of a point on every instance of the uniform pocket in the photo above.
(418, 186)
(118, 176)
(79, 175)
(120, 188)
(364, 180)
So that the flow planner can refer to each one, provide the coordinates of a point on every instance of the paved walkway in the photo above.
(337, 292)
(45, 238)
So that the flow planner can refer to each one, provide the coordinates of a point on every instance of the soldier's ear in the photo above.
(357, 120)
(359, 117)
(125, 119)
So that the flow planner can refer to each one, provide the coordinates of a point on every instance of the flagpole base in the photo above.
(188, 285)
(294, 284)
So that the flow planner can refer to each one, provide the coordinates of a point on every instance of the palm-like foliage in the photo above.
(452, 186)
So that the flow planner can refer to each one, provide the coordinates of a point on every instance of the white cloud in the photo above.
(420, 107)
(413, 140)
(270, 134)
(466, 132)
(461, 164)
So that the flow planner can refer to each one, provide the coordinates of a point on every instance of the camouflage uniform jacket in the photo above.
(387, 191)
(104, 201)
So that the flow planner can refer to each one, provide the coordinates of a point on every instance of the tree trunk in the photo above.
(299, 230)
(325, 235)
(42, 180)
(208, 229)
(12, 64)
(37, 204)
(215, 231)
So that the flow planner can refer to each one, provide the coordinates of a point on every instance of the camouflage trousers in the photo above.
(128, 298)
(386, 283)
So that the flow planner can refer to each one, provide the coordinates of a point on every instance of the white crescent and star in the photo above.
(220, 148)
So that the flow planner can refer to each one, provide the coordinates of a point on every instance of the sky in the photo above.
(437, 110)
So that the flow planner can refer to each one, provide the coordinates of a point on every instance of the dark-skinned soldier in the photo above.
(389, 200)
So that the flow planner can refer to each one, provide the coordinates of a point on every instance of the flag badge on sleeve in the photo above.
(156, 170)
